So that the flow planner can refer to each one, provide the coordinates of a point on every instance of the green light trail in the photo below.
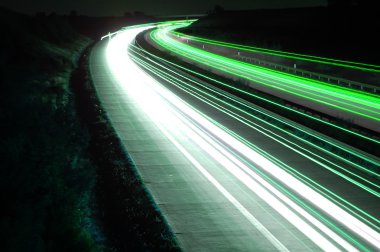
(326, 84)
(313, 208)
(313, 211)
(286, 88)
(372, 224)
(288, 143)
(163, 36)
(365, 105)
(315, 81)
(289, 55)
(269, 101)
(175, 81)
(284, 139)
(276, 118)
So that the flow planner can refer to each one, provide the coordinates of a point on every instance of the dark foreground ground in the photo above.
(46, 176)
(65, 182)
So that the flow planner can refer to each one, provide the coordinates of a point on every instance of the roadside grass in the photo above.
(46, 176)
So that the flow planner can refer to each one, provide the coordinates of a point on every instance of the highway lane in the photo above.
(312, 171)
(237, 111)
(200, 214)
(201, 174)
(363, 109)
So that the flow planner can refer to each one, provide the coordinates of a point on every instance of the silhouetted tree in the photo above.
(218, 9)
(364, 4)
(53, 14)
(40, 14)
(139, 14)
(369, 4)
(73, 14)
(341, 3)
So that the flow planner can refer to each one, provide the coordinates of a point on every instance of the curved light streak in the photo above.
(290, 55)
(167, 110)
(350, 101)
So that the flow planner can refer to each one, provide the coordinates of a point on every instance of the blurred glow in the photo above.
(290, 55)
(182, 124)
(357, 103)
(134, 83)
(323, 203)
(176, 81)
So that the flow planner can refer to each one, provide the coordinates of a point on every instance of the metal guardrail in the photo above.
(308, 74)
(109, 35)
(312, 75)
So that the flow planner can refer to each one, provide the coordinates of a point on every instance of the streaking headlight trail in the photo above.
(363, 108)
(320, 220)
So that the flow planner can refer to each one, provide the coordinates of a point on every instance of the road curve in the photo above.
(217, 191)
(344, 103)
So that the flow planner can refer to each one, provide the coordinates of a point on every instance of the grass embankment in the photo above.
(46, 177)
(62, 172)
(130, 217)
(319, 126)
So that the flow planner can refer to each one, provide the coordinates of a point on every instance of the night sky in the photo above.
(153, 7)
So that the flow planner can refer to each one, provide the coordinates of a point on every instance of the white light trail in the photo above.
(163, 108)
(163, 117)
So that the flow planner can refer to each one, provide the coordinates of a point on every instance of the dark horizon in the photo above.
(150, 7)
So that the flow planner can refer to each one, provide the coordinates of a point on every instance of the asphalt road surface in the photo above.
(223, 179)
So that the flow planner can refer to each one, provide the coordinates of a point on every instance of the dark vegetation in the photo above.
(66, 184)
(96, 27)
(341, 30)
(313, 124)
(46, 177)
(128, 213)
